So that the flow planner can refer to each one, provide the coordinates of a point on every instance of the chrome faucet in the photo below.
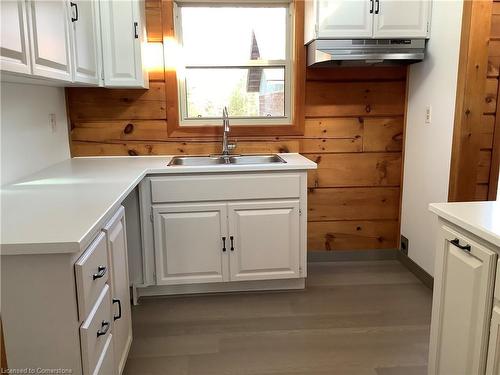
(227, 147)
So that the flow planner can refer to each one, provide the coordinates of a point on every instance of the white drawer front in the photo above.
(94, 332)
(224, 187)
(106, 364)
(92, 272)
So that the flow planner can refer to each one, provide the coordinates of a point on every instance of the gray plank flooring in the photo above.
(354, 318)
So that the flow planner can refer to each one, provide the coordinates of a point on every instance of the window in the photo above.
(237, 56)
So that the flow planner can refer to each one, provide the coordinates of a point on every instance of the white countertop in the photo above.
(479, 218)
(60, 209)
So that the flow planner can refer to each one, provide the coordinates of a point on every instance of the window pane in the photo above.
(233, 35)
(248, 92)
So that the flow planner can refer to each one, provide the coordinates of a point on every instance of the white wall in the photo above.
(27, 141)
(428, 146)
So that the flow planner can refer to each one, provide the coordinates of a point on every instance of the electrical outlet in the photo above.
(404, 245)
(428, 114)
(53, 122)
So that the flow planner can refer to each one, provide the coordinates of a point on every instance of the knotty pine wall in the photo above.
(353, 130)
(487, 174)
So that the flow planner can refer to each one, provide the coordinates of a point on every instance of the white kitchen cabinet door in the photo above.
(264, 240)
(191, 243)
(463, 293)
(401, 18)
(120, 290)
(85, 29)
(493, 362)
(14, 48)
(344, 19)
(123, 30)
(50, 39)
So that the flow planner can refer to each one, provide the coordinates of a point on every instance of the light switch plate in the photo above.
(428, 114)
(53, 122)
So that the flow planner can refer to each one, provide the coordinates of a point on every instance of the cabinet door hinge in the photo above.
(151, 215)
(300, 211)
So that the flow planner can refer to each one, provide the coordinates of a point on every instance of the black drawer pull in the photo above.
(75, 18)
(136, 32)
(104, 328)
(377, 10)
(456, 242)
(232, 243)
(371, 6)
(224, 244)
(116, 300)
(101, 271)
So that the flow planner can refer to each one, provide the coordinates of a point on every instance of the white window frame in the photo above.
(287, 64)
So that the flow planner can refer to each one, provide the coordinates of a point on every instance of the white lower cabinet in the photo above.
(224, 232)
(493, 361)
(264, 240)
(189, 239)
(120, 291)
(216, 242)
(462, 302)
(82, 303)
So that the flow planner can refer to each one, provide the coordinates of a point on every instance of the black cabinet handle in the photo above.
(371, 6)
(456, 242)
(377, 9)
(101, 271)
(104, 328)
(224, 244)
(136, 32)
(116, 300)
(232, 244)
(75, 18)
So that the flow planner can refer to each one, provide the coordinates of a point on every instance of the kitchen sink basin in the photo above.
(198, 161)
(256, 159)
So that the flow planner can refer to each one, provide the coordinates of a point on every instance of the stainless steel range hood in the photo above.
(326, 52)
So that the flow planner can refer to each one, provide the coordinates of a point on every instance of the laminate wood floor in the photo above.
(354, 318)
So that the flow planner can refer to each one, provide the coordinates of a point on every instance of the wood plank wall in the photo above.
(354, 131)
(487, 176)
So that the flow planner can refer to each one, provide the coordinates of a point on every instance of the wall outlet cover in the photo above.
(404, 245)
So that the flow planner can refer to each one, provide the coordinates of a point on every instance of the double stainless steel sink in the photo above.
(198, 161)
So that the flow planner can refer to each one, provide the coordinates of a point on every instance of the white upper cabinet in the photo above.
(343, 19)
(14, 48)
(50, 39)
(84, 17)
(82, 42)
(123, 29)
(404, 19)
(367, 19)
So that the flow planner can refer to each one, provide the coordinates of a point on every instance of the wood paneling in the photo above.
(353, 128)
(354, 98)
(348, 235)
(470, 101)
(353, 204)
(357, 169)
(489, 142)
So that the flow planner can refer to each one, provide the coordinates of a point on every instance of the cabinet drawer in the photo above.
(94, 332)
(224, 187)
(106, 364)
(91, 271)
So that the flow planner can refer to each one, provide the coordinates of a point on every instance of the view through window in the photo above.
(234, 56)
